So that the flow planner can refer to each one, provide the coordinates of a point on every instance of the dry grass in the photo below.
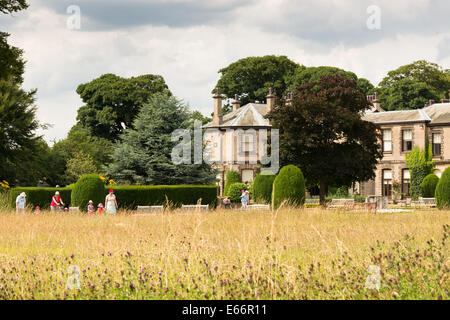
(219, 255)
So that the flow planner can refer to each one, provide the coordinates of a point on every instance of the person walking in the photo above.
(21, 202)
(111, 202)
(244, 199)
(91, 208)
(56, 201)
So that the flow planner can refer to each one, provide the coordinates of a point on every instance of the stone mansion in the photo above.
(401, 131)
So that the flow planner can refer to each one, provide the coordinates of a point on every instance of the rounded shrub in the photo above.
(88, 187)
(442, 193)
(262, 187)
(428, 186)
(230, 178)
(236, 191)
(289, 185)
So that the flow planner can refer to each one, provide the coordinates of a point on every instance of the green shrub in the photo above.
(5, 199)
(262, 187)
(88, 187)
(231, 177)
(41, 197)
(428, 185)
(289, 185)
(236, 191)
(442, 193)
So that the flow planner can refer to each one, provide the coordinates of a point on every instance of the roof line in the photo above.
(424, 114)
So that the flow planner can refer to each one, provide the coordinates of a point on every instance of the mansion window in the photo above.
(407, 140)
(437, 143)
(387, 140)
(405, 182)
(248, 146)
(387, 182)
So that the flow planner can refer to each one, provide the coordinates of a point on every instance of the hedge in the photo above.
(129, 197)
(289, 185)
(428, 185)
(88, 187)
(41, 197)
(231, 177)
(442, 193)
(262, 187)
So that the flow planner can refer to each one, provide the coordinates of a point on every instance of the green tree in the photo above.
(112, 102)
(322, 133)
(442, 193)
(420, 165)
(411, 86)
(10, 6)
(252, 77)
(235, 191)
(304, 75)
(80, 165)
(144, 154)
(12, 65)
(262, 187)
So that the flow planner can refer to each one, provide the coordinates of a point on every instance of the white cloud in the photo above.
(311, 33)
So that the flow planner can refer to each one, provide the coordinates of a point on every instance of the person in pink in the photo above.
(91, 208)
(56, 201)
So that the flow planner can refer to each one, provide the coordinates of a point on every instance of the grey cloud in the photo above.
(108, 15)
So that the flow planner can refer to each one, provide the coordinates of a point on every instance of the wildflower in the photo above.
(102, 254)
(128, 253)
(132, 287)
(109, 253)
(185, 259)
(71, 256)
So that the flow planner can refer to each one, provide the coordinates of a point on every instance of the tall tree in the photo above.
(303, 75)
(10, 6)
(251, 77)
(11, 62)
(322, 132)
(411, 85)
(112, 102)
(144, 155)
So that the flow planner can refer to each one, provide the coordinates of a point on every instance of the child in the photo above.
(100, 208)
(38, 210)
(91, 208)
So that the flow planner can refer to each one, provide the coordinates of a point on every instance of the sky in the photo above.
(188, 41)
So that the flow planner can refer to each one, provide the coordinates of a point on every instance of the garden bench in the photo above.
(425, 202)
(150, 208)
(195, 207)
(258, 207)
(341, 203)
(312, 201)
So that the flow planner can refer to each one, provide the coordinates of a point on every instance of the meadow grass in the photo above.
(225, 254)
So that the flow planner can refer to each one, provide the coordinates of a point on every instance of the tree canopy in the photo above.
(252, 77)
(112, 102)
(144, 154)
(322, 133)
(412, 85)
(10, 6)
(304, 75)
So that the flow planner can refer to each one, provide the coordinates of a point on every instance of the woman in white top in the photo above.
(111, 202)
(21, 202)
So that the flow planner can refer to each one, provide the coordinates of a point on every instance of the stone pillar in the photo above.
(217, 117)
(270, 100)
(236, 103)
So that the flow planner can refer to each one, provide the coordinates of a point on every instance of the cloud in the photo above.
(196, 39)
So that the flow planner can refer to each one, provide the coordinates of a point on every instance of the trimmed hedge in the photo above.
(428, 185)
(231, 177)
(129, 197)
(88, 187)
(262, 187)
(41, 197)
(289, 185)
(236, 191)
(442, 193)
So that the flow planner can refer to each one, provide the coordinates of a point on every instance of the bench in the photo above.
(74, 209)
(312, 201)
(150, 208)
(425, 202)
(258, 207)
(198, 207)
(341, 203)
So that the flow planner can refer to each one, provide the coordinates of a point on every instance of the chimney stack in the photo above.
(376, 103)
(236, 103)
(270, 100)
(217, 117)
